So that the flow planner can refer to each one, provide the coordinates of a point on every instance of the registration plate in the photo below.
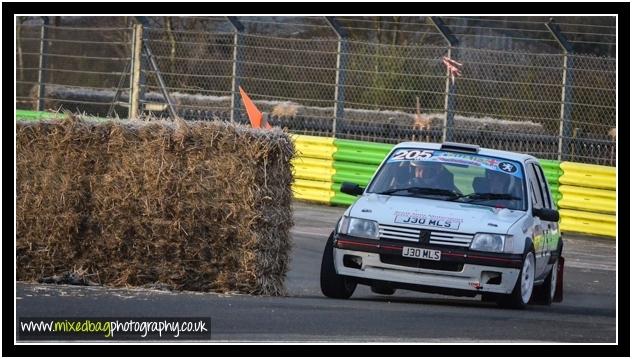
(431, 254)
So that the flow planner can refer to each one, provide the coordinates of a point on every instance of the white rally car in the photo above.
(452, 219)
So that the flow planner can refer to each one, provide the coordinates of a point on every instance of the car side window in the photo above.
(536, 193)
(544, 186)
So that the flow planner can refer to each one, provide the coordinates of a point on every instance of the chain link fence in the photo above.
(364, 79)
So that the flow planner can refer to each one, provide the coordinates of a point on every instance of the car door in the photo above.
(539, 228)
(551, 229)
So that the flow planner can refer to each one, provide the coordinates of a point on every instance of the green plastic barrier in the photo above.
(551, 165)
(551, 177)
(360, 151)
(353, 172)
(27, 115)
(36, 115)
(355, 161)
(552, 170)
(552, 173)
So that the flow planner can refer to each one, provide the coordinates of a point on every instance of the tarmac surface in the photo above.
(587, 314)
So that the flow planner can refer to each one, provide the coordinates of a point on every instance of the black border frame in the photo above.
(623, 347)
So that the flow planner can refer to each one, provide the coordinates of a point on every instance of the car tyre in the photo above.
(523, 290)
(546, 292)
(332, 284)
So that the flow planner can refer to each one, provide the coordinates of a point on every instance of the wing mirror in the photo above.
(351, 189)
(546, 214)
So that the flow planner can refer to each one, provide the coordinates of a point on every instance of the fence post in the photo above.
(238, 28)
(154, 66)
(448, 105)
(161, 81)
(41, 71)
(342, 58)
(567, 90)
(450, 88)
(137, 46)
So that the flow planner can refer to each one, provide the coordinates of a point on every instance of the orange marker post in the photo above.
(254, 115)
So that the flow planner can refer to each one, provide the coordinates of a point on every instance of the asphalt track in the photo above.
(587, 314)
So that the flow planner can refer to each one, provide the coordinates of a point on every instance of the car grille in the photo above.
(410, 234)
(398, 260)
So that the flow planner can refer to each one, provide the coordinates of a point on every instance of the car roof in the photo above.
(521, 157)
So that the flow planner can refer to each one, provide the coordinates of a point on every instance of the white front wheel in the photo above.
(527, 274)
(523, 289)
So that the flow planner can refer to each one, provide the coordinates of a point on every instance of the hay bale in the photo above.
(199, 206)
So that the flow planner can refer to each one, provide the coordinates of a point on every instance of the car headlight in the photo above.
(488, 242)
(358, 227)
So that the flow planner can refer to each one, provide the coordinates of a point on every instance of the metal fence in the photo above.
(337, 78)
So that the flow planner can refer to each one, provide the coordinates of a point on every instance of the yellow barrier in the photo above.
(584, 175)
(586, 222)
(589, 196)
(588, 199)
(588, 216)
(316, 191)
(313, 169)
(588, 192)
(573, 225)
(314, 147)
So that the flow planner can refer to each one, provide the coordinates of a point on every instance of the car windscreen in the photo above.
(452, 176)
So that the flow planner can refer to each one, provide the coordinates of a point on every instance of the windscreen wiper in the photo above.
(489, 196)
(423, 191)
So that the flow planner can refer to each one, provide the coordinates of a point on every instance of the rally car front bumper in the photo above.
(460, 271)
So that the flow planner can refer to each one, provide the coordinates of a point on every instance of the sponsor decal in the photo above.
(458, 158)
(507, 167)
(411, 155)
(429, 220)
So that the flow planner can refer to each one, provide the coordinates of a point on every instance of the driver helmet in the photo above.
(426, 169)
